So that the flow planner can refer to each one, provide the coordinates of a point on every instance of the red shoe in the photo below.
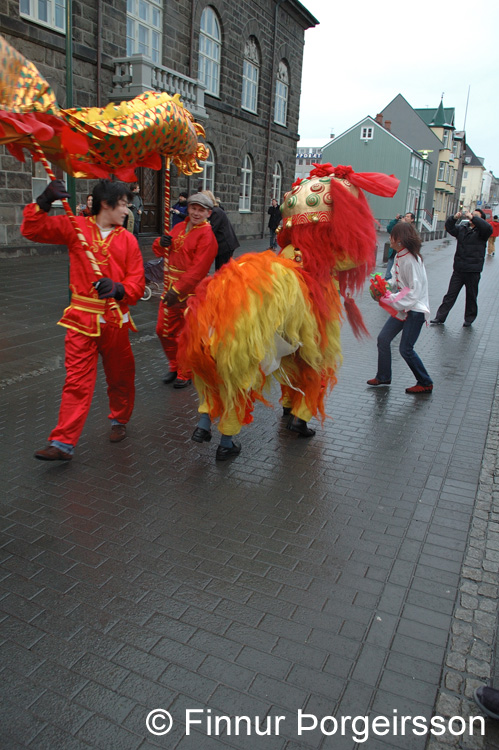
(419, 389)
(375, 381)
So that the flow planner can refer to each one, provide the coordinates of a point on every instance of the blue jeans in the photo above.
(411, 328)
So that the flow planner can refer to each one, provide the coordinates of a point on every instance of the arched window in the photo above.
(281, 94)
(277, 182)
(209, 51)
(246, 184)
(251, 75)
(208, 176)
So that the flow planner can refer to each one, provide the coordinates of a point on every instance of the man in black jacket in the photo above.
(472, 234)
(275, 219)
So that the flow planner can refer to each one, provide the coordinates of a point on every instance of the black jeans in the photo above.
(458, 280)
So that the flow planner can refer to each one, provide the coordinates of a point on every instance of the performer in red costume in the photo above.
(189, 250)
(97, 318)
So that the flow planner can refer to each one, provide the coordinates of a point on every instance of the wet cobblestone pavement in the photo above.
(354, 574)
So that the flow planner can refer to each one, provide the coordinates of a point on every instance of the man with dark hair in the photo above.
(472, 233)
(97, 318)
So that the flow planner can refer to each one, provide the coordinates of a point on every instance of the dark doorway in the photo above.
(150, 190)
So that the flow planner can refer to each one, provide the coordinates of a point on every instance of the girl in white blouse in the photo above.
(409, 300)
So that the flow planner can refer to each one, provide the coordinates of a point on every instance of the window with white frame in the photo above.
(426, 171)
(446, 138)
(50, 13)
(40, 179)
(277, 182)
(210, 51)
(441, 170)
(366, 134)
(246, 184)
(281, 94)
(251, 75)
(144, 22)
(207, 178)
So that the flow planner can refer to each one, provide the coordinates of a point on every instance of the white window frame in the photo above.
(281, 95)
(144, 29)
(246, 185)
(208, 175)
(55, 13)
(277, 181)
(441, 171)
(366, 134)
(210, 48)
(426, 170)
(251, 76)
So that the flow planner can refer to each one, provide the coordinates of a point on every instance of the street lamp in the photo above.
(424, 155)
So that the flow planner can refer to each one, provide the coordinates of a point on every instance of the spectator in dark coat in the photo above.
(223, 231)
(275, 219)
(472, 234)
(179, 210)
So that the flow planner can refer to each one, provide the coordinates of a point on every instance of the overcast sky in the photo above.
(362, 54)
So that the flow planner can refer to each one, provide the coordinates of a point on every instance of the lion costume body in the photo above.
(264, 316)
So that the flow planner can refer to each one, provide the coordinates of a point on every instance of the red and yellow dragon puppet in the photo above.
(264, 316)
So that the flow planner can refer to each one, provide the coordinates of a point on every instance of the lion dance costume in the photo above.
(263, 315)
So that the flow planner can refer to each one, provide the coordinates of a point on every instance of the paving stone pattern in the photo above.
(351, 574)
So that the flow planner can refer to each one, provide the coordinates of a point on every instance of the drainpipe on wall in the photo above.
(99, 51)
(191, 65)
(71, 185)
(271, 111)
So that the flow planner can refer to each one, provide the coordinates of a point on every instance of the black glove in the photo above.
(165, 240)
(171, 298)
(107, 288)
(54, 191)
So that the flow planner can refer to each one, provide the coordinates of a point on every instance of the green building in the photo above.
(369, 146)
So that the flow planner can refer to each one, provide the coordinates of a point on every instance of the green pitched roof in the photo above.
(441, 118)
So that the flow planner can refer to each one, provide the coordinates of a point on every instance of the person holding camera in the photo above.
(472, 232)
(179, 210)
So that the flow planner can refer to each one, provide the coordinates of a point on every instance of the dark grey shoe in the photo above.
(170, 378)
(224, 453)
(200, 435)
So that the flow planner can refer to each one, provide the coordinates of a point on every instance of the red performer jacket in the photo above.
(189, 257)
(119, 259)
(495, 227)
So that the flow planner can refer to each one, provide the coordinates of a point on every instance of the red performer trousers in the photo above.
(81, 356)
(171, 321)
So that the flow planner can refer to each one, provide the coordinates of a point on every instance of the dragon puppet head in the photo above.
(327, 217)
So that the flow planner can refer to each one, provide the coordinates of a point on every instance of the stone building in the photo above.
(236, 66)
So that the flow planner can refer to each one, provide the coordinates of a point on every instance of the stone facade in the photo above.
(230, 130)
